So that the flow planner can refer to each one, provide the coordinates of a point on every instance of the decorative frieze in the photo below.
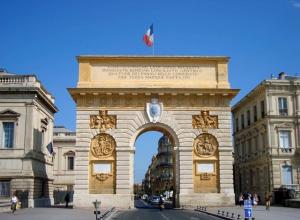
(103, 121)
(205, 121)
(102, 176)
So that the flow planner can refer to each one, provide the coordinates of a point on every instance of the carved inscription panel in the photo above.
(204, 75)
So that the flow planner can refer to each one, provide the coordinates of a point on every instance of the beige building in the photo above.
(26, 129)
(64, 142)
(120, 97)
(266, 136)
(159, 176)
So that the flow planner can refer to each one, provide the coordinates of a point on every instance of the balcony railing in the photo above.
(280, 151)
(8, 80)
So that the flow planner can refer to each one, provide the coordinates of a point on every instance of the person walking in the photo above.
(14, 201)
(268, 198)
(255, 199)
(241, 199)
(161, 203)
(67, 199)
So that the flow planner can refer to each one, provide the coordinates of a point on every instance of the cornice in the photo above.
(119, 58)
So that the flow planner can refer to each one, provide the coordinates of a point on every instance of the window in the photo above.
(249, 146)
(287, 177)
(282, 106)
(243, 121)
(248, 118)
(70, 163)
(8, 134)
(262, 108)
(236, 124)
(4, 188)
(255, 113)
(285, 139)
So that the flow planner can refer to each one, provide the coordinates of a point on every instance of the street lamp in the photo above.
(97, 206)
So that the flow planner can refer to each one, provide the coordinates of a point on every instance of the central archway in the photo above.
(168, 132)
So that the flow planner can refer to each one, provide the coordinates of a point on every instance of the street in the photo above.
(145, 211)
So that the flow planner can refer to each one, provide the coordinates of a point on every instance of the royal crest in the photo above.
(154, 110)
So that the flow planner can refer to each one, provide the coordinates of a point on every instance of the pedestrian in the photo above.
(161, 203)
(255, 199)
(241, 199)
(67, 199)
(14, 201)
(268, 198)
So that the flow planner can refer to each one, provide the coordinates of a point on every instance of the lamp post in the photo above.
(97, 206)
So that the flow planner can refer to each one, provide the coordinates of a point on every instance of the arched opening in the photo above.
(154, 167)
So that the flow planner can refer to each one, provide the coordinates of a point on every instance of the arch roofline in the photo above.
(161, 127)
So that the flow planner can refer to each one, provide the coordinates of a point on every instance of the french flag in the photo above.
(149, 37)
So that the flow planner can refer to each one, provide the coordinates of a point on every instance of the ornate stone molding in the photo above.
(102, 176)
(103, 121)
(205, 145)
(103, 145)
(205, 121)
(206, 176)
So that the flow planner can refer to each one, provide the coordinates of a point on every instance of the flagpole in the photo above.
(153, 49)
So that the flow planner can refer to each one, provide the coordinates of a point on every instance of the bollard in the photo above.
(97, 206)
(205, 208)
(223, 213)
(239, 216)
(232, 215)
(227, 214)
(218, 212)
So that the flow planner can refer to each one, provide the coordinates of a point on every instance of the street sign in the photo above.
(248, 209)
(248, 204)
(248, 213)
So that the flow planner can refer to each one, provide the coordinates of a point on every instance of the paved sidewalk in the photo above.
(260, 212)
(49, 214)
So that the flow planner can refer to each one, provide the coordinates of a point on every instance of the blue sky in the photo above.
(43, 37)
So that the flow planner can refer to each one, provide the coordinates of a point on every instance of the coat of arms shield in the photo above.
(154, 110)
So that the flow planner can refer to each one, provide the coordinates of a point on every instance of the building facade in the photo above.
(120, 97)
(26, 128)
(64, 142)
(159, 176)
(266, 137)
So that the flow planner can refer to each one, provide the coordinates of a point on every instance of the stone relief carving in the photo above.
(205, 121)
(103, 121)
(102, 145)
(102, 176)
(205, 145)
(204, 176)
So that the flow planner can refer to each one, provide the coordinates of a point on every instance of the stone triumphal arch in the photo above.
(120, 97)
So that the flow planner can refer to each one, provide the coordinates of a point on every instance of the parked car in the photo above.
(155, 200)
